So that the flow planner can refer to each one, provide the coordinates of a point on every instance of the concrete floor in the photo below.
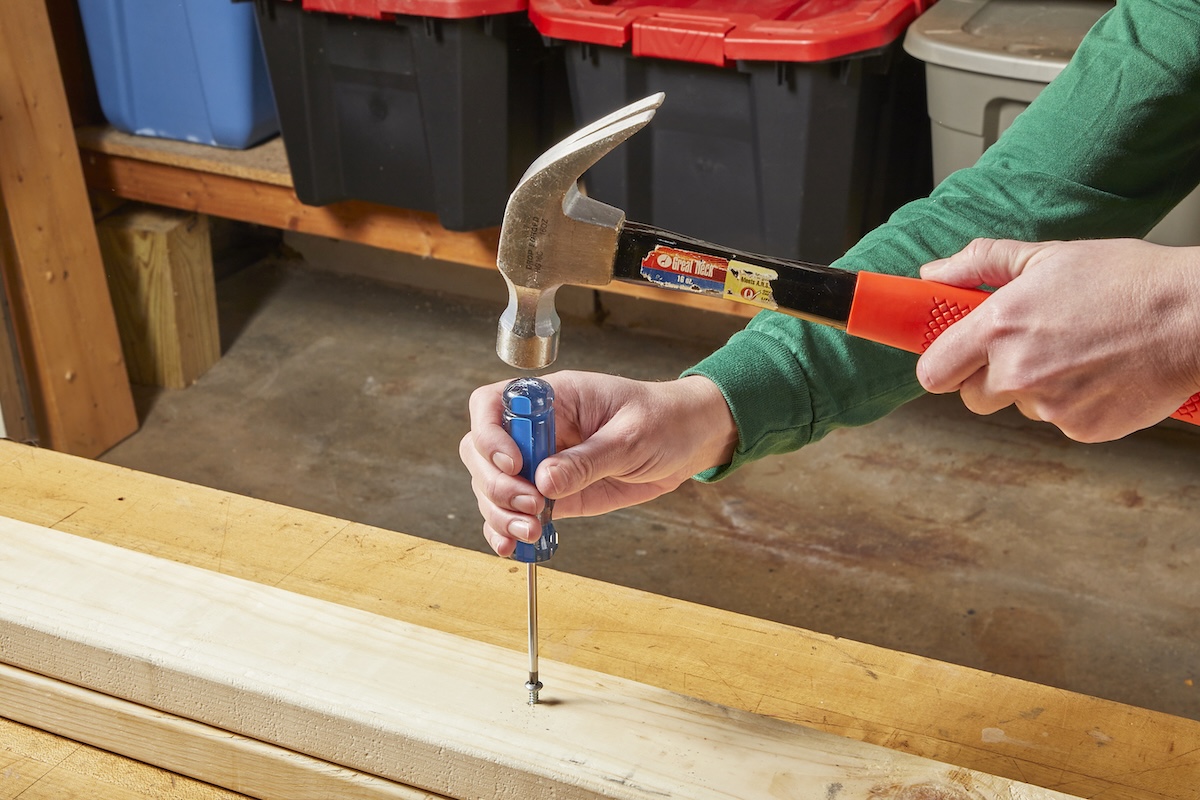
(990, 542)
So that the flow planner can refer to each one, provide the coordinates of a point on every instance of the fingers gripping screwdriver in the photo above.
(529, 419)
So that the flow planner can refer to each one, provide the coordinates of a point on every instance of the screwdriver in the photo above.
(529, 420)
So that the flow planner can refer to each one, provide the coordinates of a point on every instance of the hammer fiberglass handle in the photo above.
(901, 312)
(529, 419)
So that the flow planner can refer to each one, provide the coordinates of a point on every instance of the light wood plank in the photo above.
(1078, 744)
(413, 705)
(38, 765)
(78, 387)
(217, 757)
(160, 274)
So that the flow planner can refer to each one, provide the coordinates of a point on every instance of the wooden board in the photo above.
(1080, 745)
(36, 765)
(264, 163)
(413, 705)
(68, 338)
(253, 186)
(217, 757)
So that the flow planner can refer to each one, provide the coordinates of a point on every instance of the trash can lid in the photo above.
(1024, 39)
(445, 9)
(720, 31)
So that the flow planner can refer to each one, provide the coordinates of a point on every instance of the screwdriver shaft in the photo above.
(533, 684)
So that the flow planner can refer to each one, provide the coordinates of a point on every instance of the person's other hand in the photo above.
(1097, 337)
(620, 442)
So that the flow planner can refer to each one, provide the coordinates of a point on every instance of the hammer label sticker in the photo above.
(751, 284)
(685, 270)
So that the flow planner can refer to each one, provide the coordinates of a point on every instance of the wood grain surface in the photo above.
(413, 705)
(1072, 743)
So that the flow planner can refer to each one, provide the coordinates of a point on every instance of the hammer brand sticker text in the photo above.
(751, 284)
(686, 270)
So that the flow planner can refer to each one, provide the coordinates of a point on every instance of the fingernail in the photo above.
(504, 463)
(558, 478)
(526, 504)
(519, 529)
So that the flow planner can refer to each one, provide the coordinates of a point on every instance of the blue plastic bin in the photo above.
(181, 69)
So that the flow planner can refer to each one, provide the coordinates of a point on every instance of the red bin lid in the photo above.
(720, 31)
(445, 9)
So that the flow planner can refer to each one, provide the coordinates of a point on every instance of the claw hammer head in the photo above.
(554, 235)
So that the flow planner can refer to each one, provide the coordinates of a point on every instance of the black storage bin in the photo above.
(423, 113)
(788, 158)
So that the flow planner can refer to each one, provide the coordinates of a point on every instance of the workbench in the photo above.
(1044, 736)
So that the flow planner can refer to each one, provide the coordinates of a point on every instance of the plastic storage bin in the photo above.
(986, 60)
(788, 128)
(186, 69)
(426, 105)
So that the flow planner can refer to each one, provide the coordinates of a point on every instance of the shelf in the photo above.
(255, 186)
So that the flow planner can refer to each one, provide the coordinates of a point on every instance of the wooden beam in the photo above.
(408, 704)
(160, 275)
(78, 387)
(254, 186)
(36, 765)
(243, 765)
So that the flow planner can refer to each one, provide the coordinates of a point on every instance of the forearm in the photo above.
(1106, 150)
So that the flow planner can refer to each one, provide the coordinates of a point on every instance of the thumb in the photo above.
(990, 262)
(604, 454)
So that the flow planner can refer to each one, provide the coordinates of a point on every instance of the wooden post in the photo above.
(64, 321)
(160, 275)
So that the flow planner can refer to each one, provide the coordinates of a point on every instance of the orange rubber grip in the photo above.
(909, 313)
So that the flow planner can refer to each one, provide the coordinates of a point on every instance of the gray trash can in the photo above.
(986, 60)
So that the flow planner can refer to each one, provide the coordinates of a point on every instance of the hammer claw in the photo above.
(611, 130)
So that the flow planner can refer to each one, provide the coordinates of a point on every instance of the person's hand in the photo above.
(1098, 337)
(621, 442)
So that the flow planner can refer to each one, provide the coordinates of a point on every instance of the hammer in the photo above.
(554, 235)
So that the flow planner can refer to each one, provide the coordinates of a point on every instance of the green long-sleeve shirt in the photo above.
(1109, 147)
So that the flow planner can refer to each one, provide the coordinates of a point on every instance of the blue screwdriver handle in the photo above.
(529, 420)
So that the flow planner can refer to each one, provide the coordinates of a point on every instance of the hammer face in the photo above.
(575, 246)
(553, 235)
(527, 337)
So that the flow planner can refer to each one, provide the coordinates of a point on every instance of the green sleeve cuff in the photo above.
(767, 422)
